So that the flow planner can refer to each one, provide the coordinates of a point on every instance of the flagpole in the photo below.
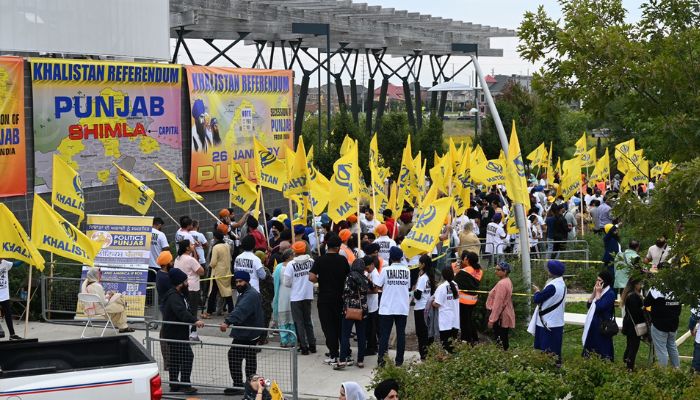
(262, 204)
(291, 217)
(166, 213)
(205, 209)
(29, 299)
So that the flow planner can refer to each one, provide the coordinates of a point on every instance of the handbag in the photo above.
(609, 328)
(641, 328)
(353, 314)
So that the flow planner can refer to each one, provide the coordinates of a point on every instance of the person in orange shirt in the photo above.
(468, 279)
(345, 250)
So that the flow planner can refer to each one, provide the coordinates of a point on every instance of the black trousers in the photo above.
(7, 312)
(331, 319)
(371, 332)
(631, 350)
(211, 301)
(236, 355)
(501, 335)
(180, 362)
(447, 339)
(467, 324)
(422, 333)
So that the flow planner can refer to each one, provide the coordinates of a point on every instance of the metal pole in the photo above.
(328, 81)
(319, 98)
(519, 208)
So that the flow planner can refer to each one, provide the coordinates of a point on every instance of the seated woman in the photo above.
(115, 303)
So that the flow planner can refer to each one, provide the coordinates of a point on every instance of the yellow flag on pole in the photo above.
(581, 145)
(67, 189)
(602, 168)
(15, 243)
(270, 171)
(377, 181)
(424, 234)
(180, 190)
(407, 176)
(516, 182)
(539, 156)
(276, 392)
(489, 173)
(478, 156)
(298, 182)
(132, 192)
(243, 192)
(51, 232)
(588, 158)
(550, 166)
(571, 179)
(344, 186)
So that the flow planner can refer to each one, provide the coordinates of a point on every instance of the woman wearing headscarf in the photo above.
(281, 304)
(220, 272)
(351, 391)
(354, 297)
(601, 307)
(115, 303)
(547, 322)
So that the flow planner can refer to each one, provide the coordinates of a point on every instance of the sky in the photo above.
(500, 13)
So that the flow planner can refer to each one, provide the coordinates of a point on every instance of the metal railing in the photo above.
(213, 360)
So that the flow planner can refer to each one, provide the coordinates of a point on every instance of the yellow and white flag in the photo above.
(243, 193)
(15, 243)
(132, 192)
(344, 186)
(601, 172)
(425, 233)
(269, 170)
(516, 182)
(490, 173)
(180, 190)
(51, 232)
(67, 189)
(588, 158)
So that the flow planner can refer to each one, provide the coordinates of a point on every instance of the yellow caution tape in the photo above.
(570, 261)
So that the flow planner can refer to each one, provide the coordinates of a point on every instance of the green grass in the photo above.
(572, 347)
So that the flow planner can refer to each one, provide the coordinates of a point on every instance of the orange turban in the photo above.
(352, 219)
(164, 258)
(224, 213)
(223, 228)
(299, 247)
(345, 235)
(382, 229)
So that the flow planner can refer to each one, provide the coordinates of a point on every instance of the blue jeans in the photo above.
(345, 339)
(665, 347)
(696, 358)
(386, 322)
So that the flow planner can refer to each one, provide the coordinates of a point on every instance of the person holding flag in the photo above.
(5, 267)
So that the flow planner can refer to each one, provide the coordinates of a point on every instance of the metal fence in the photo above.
(213, 360)
(59, 300)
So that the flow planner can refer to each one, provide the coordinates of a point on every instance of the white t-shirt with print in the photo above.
(250, 263)
(448, 313)
(373, 298)
(5, 266)
(495, 238)
(424, 286)
(395, 281)
(182, 234)
(385, 244)
(199, 238)
(158, 243)
(297, 271)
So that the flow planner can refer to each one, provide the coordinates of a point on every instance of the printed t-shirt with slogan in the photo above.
(395, 281)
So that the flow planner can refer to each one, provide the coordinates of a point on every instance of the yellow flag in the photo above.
(392, 202)
(539, 156)
(67, 189)
(668, 167)
(623, 154)
(51, 232)
(242, 192)
(180, 190)
(462, 192)
(298, 182)
(344, 186)
(557, 169)
(478, 156)
(346, 146)
(15, 243)
(489, 173)
(132, 192)
(407, 176)
(516, 182)
(571, 179)
(275, 391)
(588, 158)
(319, 186)
(656, 170)
(602, 168)
(581, 145)
(270, 171)
(424, 234)
(511, 225)
(302, 209)
(550, 166)
(377, 181)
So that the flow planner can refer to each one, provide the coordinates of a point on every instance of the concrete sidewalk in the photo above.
(316, 379)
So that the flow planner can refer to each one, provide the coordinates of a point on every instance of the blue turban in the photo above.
(556, 267)
(198, 108)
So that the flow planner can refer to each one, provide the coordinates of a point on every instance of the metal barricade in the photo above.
(209, 361)
(59, 300)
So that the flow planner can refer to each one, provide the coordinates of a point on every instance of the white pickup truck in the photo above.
(103, 368)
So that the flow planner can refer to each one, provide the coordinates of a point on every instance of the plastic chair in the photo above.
(90, 300)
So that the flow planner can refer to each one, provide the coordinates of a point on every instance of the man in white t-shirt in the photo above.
(247, 261)
(158, 242)
(495, 237)
(447, 302)
(658, 253)
(395, 281)
(296, 276)
(372, 326)
(368, 223)
(184, 231)
(201, 243)
(5, 267)
(385, 242)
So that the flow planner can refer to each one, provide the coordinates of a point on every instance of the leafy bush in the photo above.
(487, 372)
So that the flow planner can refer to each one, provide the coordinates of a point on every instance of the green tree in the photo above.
(429, 140)
(391, 139)
(641, 77)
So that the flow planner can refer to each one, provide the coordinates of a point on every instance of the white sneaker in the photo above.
(194, 337)
(330, 361)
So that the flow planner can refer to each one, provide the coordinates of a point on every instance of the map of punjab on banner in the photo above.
(229, 107)
(13, 164)
(93, 113)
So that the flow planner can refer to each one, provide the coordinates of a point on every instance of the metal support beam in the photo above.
(354, 105)
(409, 105)
(417, 90)
(382, 103)
(222, 53)
(259, 47)
(181, 41)
(301, 105)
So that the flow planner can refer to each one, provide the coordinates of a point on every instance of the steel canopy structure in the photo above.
(341, 30)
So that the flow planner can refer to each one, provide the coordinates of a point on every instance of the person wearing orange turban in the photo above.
(346, 251)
